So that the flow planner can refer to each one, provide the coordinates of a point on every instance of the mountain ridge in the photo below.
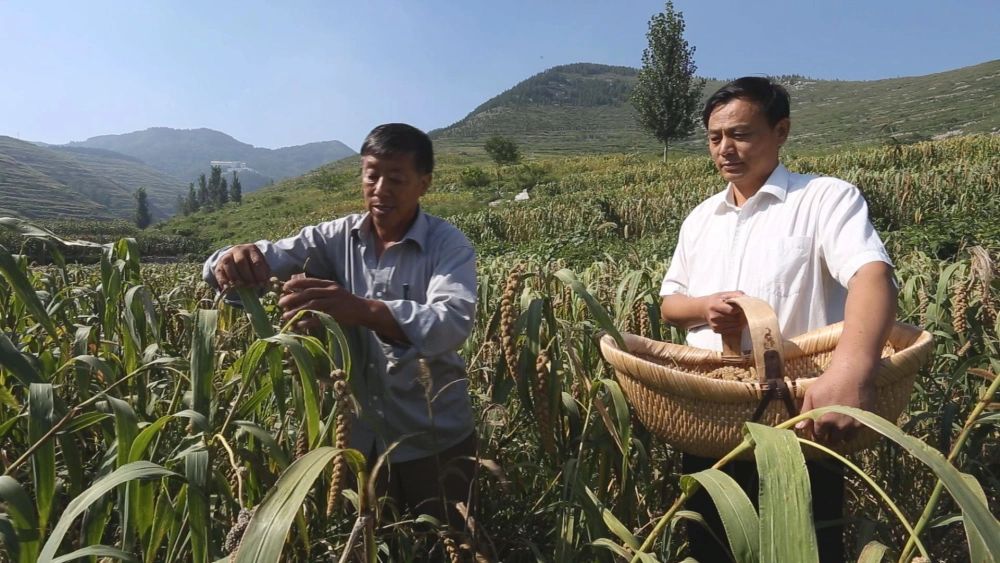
(186, 153)
(583, 108)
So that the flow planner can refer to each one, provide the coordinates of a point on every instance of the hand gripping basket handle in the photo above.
(765, 336)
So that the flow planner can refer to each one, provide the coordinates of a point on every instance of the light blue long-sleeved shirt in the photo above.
(428, 282)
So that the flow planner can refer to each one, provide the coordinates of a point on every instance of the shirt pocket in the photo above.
(783, 265)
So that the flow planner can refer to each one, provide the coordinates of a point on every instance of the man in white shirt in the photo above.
(806, 246)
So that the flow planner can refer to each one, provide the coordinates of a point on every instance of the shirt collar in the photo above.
(418, 230)
(776, 185)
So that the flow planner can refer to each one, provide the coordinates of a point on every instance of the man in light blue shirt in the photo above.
(406, 282)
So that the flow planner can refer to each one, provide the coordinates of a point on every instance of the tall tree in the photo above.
(667, 93)
(504, 151)
(142, 216)
(236, 190)
(192, 198)
(203, 195)
(223, 192)
(214, 184)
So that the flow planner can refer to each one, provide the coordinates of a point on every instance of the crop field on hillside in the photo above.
(142, 419)
(936, 196)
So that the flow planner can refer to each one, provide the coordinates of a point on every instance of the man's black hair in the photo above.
(769, 96)
(398, 139)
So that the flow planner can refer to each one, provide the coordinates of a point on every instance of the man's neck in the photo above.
(388, 237)
(743, 191)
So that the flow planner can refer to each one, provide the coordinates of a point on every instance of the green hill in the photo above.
(130, 173)
(583, 108)
(581, 206)
(42, 183)
(186, 153)
(580, 110)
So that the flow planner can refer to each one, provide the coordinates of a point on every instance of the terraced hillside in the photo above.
(40, 183)
(580, 108)
(130, 173)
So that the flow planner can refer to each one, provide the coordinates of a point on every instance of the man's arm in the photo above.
(850, 380)
(306, 250)
(692, 312)
(682, 311)
(856, 258)
(869, 315)
(440, 324)
(444, 321)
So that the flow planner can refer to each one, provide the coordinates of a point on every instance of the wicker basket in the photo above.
(670, 390)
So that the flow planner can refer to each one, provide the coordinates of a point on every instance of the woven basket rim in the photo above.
(913, 345)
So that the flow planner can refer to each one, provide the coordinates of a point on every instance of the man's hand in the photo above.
(242, 266)
(722, 317)
(320, 295)
(346, 308)
(850, 384)
(850, 379)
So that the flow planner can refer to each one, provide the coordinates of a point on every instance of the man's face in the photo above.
(743, 144)
(393, 188)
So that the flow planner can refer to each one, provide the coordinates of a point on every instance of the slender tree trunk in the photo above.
(664, 152)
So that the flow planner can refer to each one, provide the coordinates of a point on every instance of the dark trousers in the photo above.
(432, 485)
(826, 479)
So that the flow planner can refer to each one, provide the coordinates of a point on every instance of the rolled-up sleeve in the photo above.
(444, 321)
(848, 240)
(308, 250)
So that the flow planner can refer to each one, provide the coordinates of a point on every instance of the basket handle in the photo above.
(765, 336)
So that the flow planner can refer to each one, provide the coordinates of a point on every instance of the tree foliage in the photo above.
(213, 192)
(214, 184)
(142, 215)
(667, 93)
(203, 196)
(504, 151)
(236, 190)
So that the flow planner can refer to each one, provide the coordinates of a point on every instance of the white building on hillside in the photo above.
(230, 166)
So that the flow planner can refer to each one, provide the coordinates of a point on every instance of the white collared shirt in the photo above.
(795, 244)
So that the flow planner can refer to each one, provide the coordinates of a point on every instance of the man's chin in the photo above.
(732, 176)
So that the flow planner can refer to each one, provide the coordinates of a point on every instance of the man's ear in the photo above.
(425, 183)
(782, 129)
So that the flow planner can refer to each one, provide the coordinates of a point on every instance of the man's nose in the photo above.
(726, 145)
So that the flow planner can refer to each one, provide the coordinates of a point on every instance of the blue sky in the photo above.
(277, 74)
